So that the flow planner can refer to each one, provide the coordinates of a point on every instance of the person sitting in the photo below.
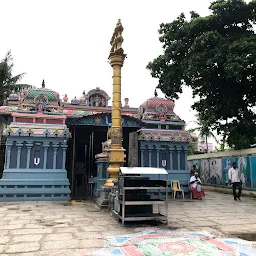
(193, 170)
(196, 187)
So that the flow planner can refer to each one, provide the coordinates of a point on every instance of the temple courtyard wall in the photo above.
(213, 167)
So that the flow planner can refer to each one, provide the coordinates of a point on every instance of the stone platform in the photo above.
(60, 228)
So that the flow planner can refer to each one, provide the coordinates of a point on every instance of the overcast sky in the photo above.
(67, 43)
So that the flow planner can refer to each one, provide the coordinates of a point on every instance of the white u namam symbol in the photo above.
(163, 163)
(36, 161)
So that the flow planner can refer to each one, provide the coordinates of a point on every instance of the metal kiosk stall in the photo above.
(141, 193)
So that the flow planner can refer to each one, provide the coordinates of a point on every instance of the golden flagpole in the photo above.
(116, 152)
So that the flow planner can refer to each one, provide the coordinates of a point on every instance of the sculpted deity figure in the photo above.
(91, 102)
(126, 103)
(40, 107)
(103, 102)
(97, 100)
(116, 135)
(65, 98)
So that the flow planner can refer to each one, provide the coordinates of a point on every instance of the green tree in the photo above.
(192, 147)
(216, 56)
(8, 82)
(204, 130)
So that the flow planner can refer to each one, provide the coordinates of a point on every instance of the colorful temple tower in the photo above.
(36, 144)
(163, 141)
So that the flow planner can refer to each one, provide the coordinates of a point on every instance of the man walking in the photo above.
(234, 177)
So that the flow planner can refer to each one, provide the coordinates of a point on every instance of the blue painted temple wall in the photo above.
(35, 169)
(168, 155)
(160, 154)
(37, 151)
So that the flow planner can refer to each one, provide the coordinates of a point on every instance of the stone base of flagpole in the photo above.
(103, 200)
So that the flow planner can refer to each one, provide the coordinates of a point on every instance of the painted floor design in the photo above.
(148, 242)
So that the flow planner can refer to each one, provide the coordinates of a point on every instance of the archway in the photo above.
(88, 133)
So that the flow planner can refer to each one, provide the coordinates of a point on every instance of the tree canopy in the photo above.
(8, 82)
(216, 56)
(204, 131)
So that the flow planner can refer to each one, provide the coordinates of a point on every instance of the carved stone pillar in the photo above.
(171, 162)
(178, 154)
(158, 156)
(29, 147)
(142, 149)
(133, 150)
(64, 150)
(150, 148)
(19, 147)
(185, 156)
(55, 148)
(46, 146)
(9, 145)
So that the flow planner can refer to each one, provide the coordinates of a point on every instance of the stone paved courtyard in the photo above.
(59, 228)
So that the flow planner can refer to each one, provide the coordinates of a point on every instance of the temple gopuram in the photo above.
(57, 149)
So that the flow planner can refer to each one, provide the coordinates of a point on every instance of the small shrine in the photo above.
(97, 98)
(36, 144)
(163, 142)
(102, 165)
(94, 98)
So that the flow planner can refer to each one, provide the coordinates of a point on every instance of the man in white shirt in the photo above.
(234, 177)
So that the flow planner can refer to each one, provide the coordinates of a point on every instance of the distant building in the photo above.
(202, 146)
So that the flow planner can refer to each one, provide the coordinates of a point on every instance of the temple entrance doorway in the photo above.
(86, 142)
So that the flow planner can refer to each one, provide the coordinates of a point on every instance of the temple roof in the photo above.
(153, 102)
(157, 109)
(164, 135)
(37, 130)
(32, 94)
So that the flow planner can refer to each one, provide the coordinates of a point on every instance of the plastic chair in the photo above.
(175, 184)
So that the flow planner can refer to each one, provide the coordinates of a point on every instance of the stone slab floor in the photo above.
(59, 228)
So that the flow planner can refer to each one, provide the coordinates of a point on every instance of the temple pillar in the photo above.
(171, 162)
(46, 146)
(142, 149)
(55, 148)
(19, 147)
(157, 157)
(64, 151)
(178, 154)
(9, 145)
(150, 148)
(29, 147)
(185, 154)
(133, 150)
